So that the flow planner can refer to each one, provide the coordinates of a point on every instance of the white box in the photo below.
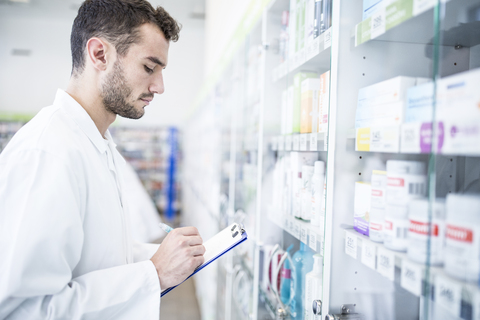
(419, 106)
(458, 113)
(378, 139)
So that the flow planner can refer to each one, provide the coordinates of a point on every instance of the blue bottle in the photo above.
(303, 262)
(285, 282)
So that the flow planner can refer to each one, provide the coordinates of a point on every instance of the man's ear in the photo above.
(97, 53)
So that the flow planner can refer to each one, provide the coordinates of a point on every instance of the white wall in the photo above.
(28, 83)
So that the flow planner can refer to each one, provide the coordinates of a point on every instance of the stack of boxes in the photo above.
(305, 104)
(380, 113)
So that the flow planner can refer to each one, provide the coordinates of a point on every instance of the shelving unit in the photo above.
(413, 38)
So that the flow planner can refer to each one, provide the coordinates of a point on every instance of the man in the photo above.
(66, 250)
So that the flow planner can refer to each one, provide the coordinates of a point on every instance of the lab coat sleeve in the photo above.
(41, 238)
(143, 251)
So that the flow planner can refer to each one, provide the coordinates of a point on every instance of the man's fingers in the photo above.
(198, 250)
(188, 231)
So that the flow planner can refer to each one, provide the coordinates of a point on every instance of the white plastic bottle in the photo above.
(306, 207)
(313, 286)
(420, 229)
(406, 180)
(462, 251)
(318, 182)
(396, 228)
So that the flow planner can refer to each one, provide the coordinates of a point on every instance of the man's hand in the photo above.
(180, 253)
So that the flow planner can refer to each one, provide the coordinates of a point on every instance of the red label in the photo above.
(419, 227)
(286, 273)
(459, 234)
(377, 193)
(388, 225)
(376, 226)
(396, 182)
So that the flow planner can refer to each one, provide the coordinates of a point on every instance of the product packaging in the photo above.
(290, 110)
(300, 21)
(292, 30)
(307, 175)
(323, 102)
(462, 251)
(318, 181)
(458, 114)
(283, 122)
(395, 228)
(309, 21)
(297, 97)
(406, 180)
(378, 205)
(361, 211)
(309, 105)
(297, 160)
(313, 286)
(303, 262)
(421, 229)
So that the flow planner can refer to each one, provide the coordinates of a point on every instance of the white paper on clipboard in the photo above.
(218, 245)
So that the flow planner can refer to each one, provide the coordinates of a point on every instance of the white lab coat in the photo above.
(65, 247)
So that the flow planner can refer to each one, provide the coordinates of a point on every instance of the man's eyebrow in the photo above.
(155, 60)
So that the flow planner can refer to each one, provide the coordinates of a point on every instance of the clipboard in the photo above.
(217, 246)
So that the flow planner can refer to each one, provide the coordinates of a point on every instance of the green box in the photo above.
(398, 12)
(297, 97)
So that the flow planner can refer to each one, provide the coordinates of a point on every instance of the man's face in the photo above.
(135, 78)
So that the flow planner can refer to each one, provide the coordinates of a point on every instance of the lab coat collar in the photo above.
(83, 119)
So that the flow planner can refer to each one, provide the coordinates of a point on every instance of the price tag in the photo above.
(296, 231)
(386, 263)
(420, 6)
(310, 49)
(302, 57)
(303, 234)
(281, 143)
(316, 46)
(325, 142)
(378, 23)
(296, 142)
(285, 224)
(411, 279)
(303, 142)
(369, 254)
(313, 142)
(312, 240)
(448, 295)
(292, 228)
(327, 40)
(351, 244)
(288, 143)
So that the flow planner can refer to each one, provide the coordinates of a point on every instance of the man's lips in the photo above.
(147, 101)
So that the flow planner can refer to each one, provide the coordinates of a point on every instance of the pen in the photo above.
(165, 227)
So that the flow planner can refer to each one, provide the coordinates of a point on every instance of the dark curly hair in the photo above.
(117, 21)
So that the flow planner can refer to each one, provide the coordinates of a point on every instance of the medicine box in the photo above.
(297, 97)
(289, 120)
(283, 123)
(378, 139)
(458, 112)
(324, 102)
(309, 105)
(361, 210)
(419, 107)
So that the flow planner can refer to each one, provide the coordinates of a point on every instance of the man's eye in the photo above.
(149, 71)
